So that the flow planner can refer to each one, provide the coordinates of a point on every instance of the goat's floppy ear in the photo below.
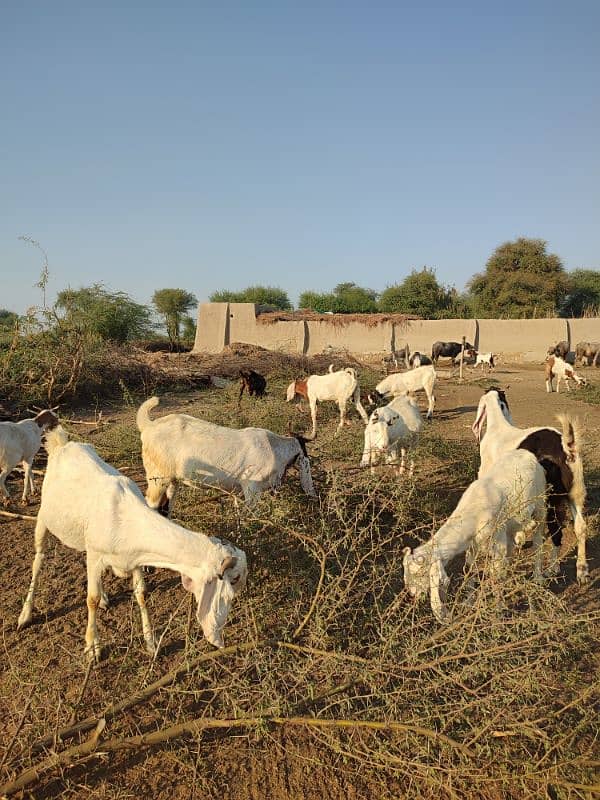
(227, 563)
(187, 583)
(438, 584)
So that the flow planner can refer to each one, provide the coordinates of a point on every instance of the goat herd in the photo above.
(528, 480)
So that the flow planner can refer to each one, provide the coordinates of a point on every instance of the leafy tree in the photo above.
(261, 295)
(520, 280)
(172, 304)
(419, 294)
(583, 293)
(346, 298)
(8, 319)
(188, 332)
(112, 316)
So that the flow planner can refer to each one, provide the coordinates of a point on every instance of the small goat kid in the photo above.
(90, 506)
(253, 382)
(391, 428)
(558, 453)
(556, 367)
(492, 513)
(414, 380)
(339, 386)
(19, 443)
(178, 447)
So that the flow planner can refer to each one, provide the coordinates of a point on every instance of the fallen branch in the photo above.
(14, 515)
(196, 726)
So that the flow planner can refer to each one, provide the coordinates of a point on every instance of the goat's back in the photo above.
(19, 441)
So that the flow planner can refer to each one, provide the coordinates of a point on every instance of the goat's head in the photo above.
(214, 586)
(422, 575)
(47, 419)
(492, 395)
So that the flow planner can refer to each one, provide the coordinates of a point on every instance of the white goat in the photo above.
(558, 453)
(486, 360)
(178, 447)
(19, 442)
(492, 513)
(556, 367)
(391, 428)
(90, 506)
(399, 383)
(339, 386)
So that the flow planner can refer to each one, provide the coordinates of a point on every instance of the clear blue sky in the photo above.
(215, 146)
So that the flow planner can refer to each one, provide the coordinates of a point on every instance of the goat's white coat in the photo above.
(485, 359)
(179, 447)
(491, 513)
(502, 436)
(91, 507)
(414, 380)
(340, 386)
(19, 443)
(391, 428)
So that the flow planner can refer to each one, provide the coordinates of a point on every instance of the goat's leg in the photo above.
(431, 399)
(579, 524)
(139, 589)
(39, 540)
(359, 406)
(3, 476)
(342, 407)
(28, 487)
(94, 596)
(313, 415)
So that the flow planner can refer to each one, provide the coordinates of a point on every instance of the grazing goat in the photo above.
(417, 359)
(491, 515)
(90, 506)
(19, 442)
(448, 350)
(587, 353)
(391, 428)
(556, 367)
(178, 447)
(253, 382)
(486, 360)
(422, 378)
(560, 349)
(339, 386)
(558, 453)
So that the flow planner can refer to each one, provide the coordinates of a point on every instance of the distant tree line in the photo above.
(521, 279)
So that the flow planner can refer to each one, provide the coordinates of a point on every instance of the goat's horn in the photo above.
(227, 563)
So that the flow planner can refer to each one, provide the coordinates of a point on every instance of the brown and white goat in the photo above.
(556, 367)
(558, 452)
(19, 442)
(340, 386)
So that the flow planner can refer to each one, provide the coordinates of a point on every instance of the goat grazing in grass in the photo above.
(490, 516)
(340, 386)
(558, 453)
(556, 367)
(253, 382)
(414, 380)
(19, 442)
(91, 507)
(391, 428)
(178, 447)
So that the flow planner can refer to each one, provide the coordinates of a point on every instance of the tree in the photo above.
(346, 298)
(173, 305)
(583, 293)
(261, 295)
(520, 280)
(419, 294)
(109, 315)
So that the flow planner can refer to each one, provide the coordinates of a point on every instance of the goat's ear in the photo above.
(187, 583)
(406, 552)
(227, 563)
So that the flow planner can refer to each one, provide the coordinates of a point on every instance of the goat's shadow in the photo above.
(452, 413)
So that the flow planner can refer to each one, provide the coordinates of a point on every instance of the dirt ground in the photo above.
(42, 669)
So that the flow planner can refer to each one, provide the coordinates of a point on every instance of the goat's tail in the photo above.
(571, 442)
(143, 417)
(55, 438)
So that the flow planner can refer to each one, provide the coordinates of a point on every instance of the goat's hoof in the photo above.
(93, 653)
(583, 574)
(24, 620)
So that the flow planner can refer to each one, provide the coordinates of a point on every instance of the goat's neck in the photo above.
(162, 543)
(452, 539)
(495, 419)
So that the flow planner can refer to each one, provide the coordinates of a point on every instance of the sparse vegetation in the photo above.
(331, 672)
